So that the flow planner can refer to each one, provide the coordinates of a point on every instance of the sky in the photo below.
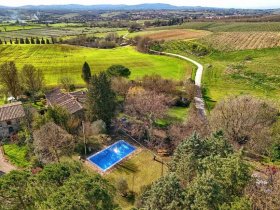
(211, 3)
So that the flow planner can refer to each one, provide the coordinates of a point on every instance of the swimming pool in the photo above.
(110, 156)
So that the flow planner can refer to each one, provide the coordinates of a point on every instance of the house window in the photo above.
(9, 122)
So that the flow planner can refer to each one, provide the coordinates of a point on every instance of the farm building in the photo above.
(10, 116)
(72, 102)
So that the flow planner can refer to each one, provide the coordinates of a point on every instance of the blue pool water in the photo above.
(111, 155)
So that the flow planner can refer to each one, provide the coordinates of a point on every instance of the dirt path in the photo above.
(199, 103)
(5, 166)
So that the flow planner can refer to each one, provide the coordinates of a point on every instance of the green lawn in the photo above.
(16, 154)
(229, 73)
(64, 60)
(139, 171)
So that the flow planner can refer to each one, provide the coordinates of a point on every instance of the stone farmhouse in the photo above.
(10, 117)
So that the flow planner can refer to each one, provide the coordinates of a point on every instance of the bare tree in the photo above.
(9, 79)
(51, 142)
(120, 85)
(67, 83)
(157, 83)
(146, 106)
(245, 121)
(32, 79)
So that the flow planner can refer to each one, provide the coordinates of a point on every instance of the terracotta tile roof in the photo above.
(65, 100)
(80, 96)
(11, 111)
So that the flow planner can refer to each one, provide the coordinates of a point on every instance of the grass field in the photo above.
(229, 41)
(255, 72)
(63, 60)
(176, 34)
(16, 154)
(141, 170)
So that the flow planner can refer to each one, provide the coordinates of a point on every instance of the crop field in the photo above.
(177, 34)
(57, 61)
(229, 26)
(229, 41)
(54, 31)
(254, 72)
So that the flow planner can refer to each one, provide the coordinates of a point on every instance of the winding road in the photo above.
(198, 99)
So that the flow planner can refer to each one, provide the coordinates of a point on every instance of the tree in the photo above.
(27, 41)
(16, 41)
(245, 120)
(51, 142)
(47, 41)
(208, 171)
(64, 119)
(32, 80)
(188, 154)
(118, 71)
(43, 41)
(146, 106)
(86, 73)
(32, 41)
(37, 40)
(164, 194)
(9, 78)
(158, 84)
(101, 99)
(143, 44)
(120, 85)
(21, 41)
(63, 186)
(12, 190)
(67, 83)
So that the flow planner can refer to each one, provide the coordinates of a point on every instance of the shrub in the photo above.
(122, 186)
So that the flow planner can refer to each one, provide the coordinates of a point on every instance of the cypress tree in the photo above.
(37, 40)
(101, 99)
(0, 41)
(16, 42)
(27, 41)
(86, 73)
(32, 40)
(47, 41)
(11, 41)
(21, 41)
(42, 41)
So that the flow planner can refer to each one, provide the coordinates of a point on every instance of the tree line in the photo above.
(32, 40)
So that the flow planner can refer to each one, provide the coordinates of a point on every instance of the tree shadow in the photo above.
(209, 102)
(127, 167)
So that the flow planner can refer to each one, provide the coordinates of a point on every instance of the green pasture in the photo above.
(57, 61)
(255, 72)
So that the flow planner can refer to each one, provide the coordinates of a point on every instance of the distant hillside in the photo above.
(155, 6)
